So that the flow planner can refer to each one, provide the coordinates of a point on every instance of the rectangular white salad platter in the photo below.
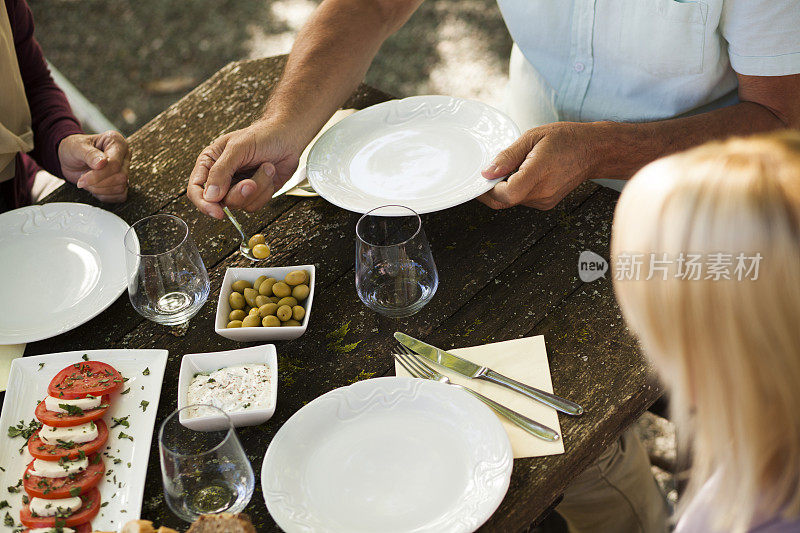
(128, 449)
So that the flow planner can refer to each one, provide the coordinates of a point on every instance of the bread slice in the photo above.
(223, 523)
(143, 526)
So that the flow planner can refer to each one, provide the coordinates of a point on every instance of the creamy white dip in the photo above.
(232, 389)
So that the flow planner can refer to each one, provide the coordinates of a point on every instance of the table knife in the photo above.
(475, 371)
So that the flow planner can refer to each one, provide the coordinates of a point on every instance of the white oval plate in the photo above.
(61, 264)
(423, 152)
(388, 454)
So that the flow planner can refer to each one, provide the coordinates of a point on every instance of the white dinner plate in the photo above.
(423, 152)
(123, 489)
(61, 264)
(391, 454)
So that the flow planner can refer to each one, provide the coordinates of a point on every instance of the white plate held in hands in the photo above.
(423, 152)
(61, 264)
(390, 454)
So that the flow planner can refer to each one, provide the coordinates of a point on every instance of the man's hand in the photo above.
(544, 165)
(262, 147)
(98, 163)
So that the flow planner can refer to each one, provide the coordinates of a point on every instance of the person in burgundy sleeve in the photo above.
(39, 135)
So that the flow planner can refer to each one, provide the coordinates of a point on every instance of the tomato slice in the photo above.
(88, 377)
(64, 487)
(53, 452)
(55, 419)
(89, 509)
(83, 528)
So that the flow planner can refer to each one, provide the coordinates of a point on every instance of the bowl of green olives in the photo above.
(265, 304)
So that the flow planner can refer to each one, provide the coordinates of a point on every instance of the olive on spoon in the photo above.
(254, 248)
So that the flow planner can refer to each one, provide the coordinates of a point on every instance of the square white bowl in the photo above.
(254, 334)
(203, 363)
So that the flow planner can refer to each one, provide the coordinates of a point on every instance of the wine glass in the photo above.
(167, 281)
(203, 472)
(395, 272)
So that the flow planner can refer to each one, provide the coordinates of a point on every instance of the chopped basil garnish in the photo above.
(123, 421)
(72, 410)
(126, 391)
(125, 436)
(146, 371)
(143, 404)
(85, 357)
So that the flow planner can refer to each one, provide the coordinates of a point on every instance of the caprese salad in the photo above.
(61, 481)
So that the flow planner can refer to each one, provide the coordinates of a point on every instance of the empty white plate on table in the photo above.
(61, 264)
(389, 454)
(423, 152)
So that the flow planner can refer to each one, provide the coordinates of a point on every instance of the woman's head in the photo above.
(720, 315)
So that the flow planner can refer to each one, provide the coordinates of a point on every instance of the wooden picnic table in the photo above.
(503, 274)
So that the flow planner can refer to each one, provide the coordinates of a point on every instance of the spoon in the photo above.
(244, 247)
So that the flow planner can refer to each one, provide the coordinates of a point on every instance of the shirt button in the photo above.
(579, 66)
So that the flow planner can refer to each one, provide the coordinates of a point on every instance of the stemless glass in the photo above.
(395, 272)
(203, 472)
(167, 281)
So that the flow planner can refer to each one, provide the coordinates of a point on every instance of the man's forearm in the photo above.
(329, 58)
(627, 147)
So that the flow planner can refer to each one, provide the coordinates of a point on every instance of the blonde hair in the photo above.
(729, 350)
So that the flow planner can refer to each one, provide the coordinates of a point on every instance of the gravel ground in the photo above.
(133, 59)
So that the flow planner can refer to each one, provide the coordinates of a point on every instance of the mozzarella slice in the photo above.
(63, 506)
(55, 469)
(77, 434)
(51, 403)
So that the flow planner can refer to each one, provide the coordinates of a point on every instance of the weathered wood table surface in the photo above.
(504, 274)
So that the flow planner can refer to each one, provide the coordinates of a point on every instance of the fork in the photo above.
(414, 366)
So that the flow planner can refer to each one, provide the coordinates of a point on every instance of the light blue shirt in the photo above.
(641, 60)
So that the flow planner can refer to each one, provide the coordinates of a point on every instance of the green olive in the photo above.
(291, 302)
(296, 277)
(271, 321)
(266, 286)
(284, 312)
(251, 321)
(259, 280)
(258, 238)
(274, 299)
(261, 300)
(241, 285)
(250, 296)
(281, 290)
(267, 309)
(260, 251)
(236, 300)
(298, 312)
(234, 324)
(300, 292)
(253, 310)
(292, 322)
(237, 314)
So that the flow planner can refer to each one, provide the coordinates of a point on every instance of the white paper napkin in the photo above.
(300, 173)
(524, 360)
(8, 352)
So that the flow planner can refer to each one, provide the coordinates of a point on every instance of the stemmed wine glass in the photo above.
(395, 272)
(203, 472)
(167, 281)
